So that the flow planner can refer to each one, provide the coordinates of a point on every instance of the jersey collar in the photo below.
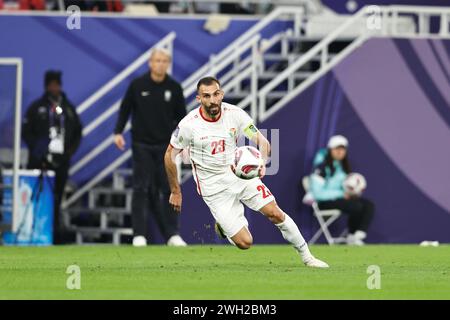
(209, 120)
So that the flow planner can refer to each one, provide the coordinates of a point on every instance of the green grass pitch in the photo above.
(224, 272)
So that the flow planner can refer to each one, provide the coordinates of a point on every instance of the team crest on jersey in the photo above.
(232, 132)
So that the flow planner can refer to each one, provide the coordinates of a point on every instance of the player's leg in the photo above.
(228, 212)
(262, 200)
(243, 239)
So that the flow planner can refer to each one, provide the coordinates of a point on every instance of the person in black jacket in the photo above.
(156, 104)
(52, 131)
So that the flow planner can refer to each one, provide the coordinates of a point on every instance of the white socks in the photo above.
(231, 241)
(292, 234)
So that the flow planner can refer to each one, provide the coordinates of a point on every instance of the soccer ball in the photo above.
(247, 162)
(355, 184)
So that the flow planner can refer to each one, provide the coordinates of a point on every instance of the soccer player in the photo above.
(210, 133)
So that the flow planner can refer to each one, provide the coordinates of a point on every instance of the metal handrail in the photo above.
(389, 16)
(297, 12)
(251, 62)
(423, 14)
(236, 71)
(305, 58)
(86, 104)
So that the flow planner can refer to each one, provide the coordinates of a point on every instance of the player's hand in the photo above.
(262, 171)
(175, 200)
(119, 141)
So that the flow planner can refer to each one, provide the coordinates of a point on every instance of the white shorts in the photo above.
(227, 206)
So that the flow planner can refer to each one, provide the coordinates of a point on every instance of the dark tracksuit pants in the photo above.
(151, 191)
(359, 211)
(61, 175)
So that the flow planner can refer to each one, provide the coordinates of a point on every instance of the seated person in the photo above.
(331, 167)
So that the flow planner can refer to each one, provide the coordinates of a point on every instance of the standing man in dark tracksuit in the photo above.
(52, 130)
(156, 104)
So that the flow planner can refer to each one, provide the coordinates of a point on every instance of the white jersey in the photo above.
(212, 145)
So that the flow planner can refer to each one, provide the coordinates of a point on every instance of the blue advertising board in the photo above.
(35, 217)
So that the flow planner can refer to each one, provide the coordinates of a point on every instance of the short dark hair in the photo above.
(207, 81)
(52, 75)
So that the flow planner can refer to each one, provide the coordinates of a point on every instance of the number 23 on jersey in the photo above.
(218, 146)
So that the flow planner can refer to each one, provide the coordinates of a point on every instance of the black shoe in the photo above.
(219, 231)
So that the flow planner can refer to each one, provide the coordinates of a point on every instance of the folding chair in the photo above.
(324, 217)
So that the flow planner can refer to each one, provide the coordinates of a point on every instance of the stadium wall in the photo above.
(391, 98)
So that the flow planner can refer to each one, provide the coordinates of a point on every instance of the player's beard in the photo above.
(213, 110)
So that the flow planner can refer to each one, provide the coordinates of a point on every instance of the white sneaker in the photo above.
(176, 241)
(360, 235)
(356, 239)
(139, 241)
(315, 263)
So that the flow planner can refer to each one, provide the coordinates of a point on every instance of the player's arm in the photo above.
(251, 132)
(175, 198)
(263, 145)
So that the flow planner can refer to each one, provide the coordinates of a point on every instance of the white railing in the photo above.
(370, 21)
(166, 43)
(243, 62)
(423, 15)
(190, 84)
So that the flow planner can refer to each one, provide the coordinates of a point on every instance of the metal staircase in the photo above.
(107, 215)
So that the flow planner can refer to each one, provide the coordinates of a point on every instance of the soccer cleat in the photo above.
(139, 241)
(315, 263)
(219, 231)
(176, 241)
